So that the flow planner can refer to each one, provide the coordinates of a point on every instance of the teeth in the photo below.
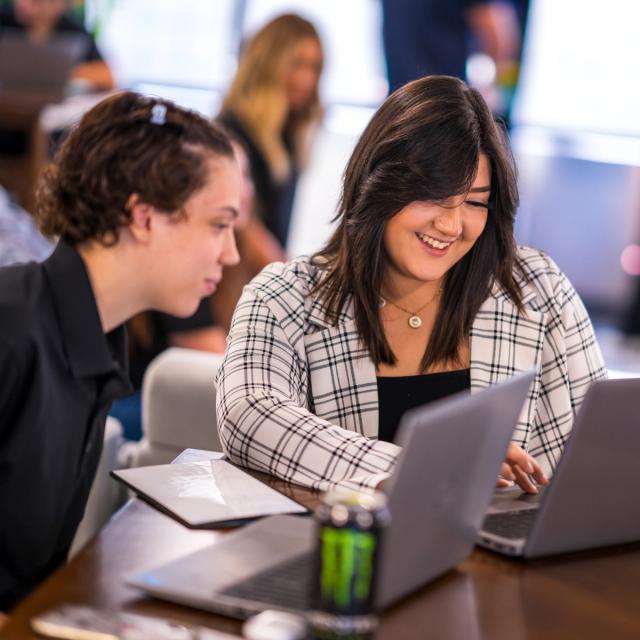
(436, 244)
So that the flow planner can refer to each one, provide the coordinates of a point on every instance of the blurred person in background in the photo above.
(146, 230)
(42, 20)
(432, 37)
(421, 292)
(272, 107)
(256, 245)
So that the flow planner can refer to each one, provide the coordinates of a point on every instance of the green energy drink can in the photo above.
(350, 526)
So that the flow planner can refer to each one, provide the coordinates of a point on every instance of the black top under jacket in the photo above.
(58, 375)
(396, 395)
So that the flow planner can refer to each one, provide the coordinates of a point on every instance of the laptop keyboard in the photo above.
(510, 524)
(286, 585)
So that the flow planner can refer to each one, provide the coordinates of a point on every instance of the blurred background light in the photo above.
(630, 260)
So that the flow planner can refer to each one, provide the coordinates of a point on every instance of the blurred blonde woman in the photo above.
(272, 107)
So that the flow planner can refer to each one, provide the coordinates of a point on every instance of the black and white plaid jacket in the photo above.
(298, 398)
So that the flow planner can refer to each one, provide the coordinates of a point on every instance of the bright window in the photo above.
(185, 48)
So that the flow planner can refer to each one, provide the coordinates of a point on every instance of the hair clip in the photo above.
(158, 114)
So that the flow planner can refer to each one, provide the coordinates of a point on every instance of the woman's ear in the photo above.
(141, 216)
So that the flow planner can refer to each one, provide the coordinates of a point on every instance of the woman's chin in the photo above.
(185, 310)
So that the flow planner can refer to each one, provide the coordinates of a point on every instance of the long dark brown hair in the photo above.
(423, 144)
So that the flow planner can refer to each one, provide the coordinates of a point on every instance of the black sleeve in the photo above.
(12, 388)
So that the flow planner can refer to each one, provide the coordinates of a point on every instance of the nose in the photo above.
(449, 221)
(229, 255)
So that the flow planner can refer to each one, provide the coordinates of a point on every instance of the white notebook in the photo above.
(206, 494)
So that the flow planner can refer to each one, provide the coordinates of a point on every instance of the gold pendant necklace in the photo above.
(414, 321)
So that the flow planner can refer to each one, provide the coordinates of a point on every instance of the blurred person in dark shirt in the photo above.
(42, 20)
(273, 107)
(432, 37)
(256, 245)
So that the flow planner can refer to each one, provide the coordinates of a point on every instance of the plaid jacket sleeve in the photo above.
(571, 358)
(263, 396)
(555, 336)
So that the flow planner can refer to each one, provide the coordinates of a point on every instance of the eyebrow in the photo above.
(232, 210)
(479, 189)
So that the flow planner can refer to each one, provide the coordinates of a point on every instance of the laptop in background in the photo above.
(593, 499)
(438, 494)
(38, 68)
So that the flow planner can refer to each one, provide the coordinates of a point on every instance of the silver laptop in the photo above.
(593, 499)
(438, 495)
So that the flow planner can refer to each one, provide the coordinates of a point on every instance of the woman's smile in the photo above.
(432, 245)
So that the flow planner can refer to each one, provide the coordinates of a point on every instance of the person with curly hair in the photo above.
(142, 196)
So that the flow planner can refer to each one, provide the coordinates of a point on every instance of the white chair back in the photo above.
(178, 405)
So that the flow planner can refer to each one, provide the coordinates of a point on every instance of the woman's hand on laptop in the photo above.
(520, 467)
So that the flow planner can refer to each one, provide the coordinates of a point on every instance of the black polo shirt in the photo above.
(58, 375)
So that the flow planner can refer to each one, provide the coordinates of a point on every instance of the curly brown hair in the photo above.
(118, 150)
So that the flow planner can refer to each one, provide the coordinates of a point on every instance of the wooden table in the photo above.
(582, 596)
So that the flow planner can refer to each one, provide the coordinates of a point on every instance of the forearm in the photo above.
(264, 418)
(270, 434)
(495, 25)
(96, 72)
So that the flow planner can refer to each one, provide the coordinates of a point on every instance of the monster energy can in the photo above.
(350, 525)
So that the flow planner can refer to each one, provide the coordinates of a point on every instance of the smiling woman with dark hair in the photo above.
(421, 292)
